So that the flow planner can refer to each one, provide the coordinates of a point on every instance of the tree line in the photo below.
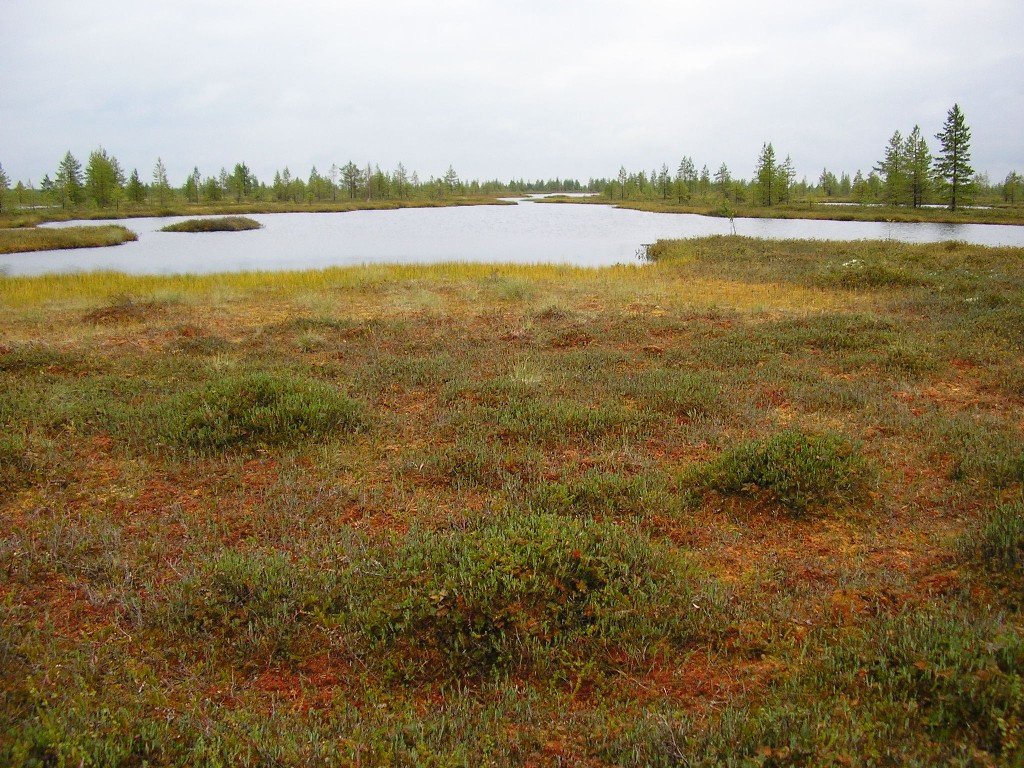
(102, 183)
(908, 174)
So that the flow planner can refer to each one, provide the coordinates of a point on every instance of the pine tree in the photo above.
(1012, 186)
(784, 179)
(723, 179)
(952, 166)
(828, 183)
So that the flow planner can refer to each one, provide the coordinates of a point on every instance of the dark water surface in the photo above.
(586, 235)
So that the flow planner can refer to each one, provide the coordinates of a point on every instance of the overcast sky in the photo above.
(504, 88)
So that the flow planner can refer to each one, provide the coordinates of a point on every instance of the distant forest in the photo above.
(908, 174)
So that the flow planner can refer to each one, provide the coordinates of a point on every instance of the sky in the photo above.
(503, 89)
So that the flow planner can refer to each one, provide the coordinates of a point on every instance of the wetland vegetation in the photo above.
(25, 239)
(220, 224)
(755, 503)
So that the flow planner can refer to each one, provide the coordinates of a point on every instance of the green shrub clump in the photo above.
(999, 544)
(528, 592)
(801, 471)
(261, 409)
(252, 602)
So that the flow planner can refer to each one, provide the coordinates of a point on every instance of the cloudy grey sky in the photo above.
(502, 88)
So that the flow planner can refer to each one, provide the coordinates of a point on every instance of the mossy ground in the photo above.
(756, 503)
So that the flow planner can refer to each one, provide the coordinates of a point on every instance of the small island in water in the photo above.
(220, 224)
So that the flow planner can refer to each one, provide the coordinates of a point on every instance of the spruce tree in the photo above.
(101, 177)
(135, 189)
(952, 167)
(892, 169)
(767, 175)
(918, 164)
(161, 186)
(5, 184)
(68, 183)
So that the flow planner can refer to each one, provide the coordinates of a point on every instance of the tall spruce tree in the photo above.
(952, 165)
(767, 175)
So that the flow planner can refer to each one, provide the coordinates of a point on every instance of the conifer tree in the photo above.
(5, 184)
(918, 161)
(767, 175)
(103, 178)
(161, 185)
(891, 169)
(192, 186)
(135, 189)
(952, 166)
(68, 182)
(723, 179)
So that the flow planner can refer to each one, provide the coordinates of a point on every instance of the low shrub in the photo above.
(260, 409)
(27, 358)
(597, 493)
(253, 603)
(16, 463)
(998, 545)
(676, 393)
(529, 591)
(800, 471)
(552, 421)
(930, 688)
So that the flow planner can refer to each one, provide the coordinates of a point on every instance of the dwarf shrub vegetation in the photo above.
(802, 472)
(261, 409)
(999, 544)
(531, 591)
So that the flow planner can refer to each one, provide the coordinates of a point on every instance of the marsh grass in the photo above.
(27, 239)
